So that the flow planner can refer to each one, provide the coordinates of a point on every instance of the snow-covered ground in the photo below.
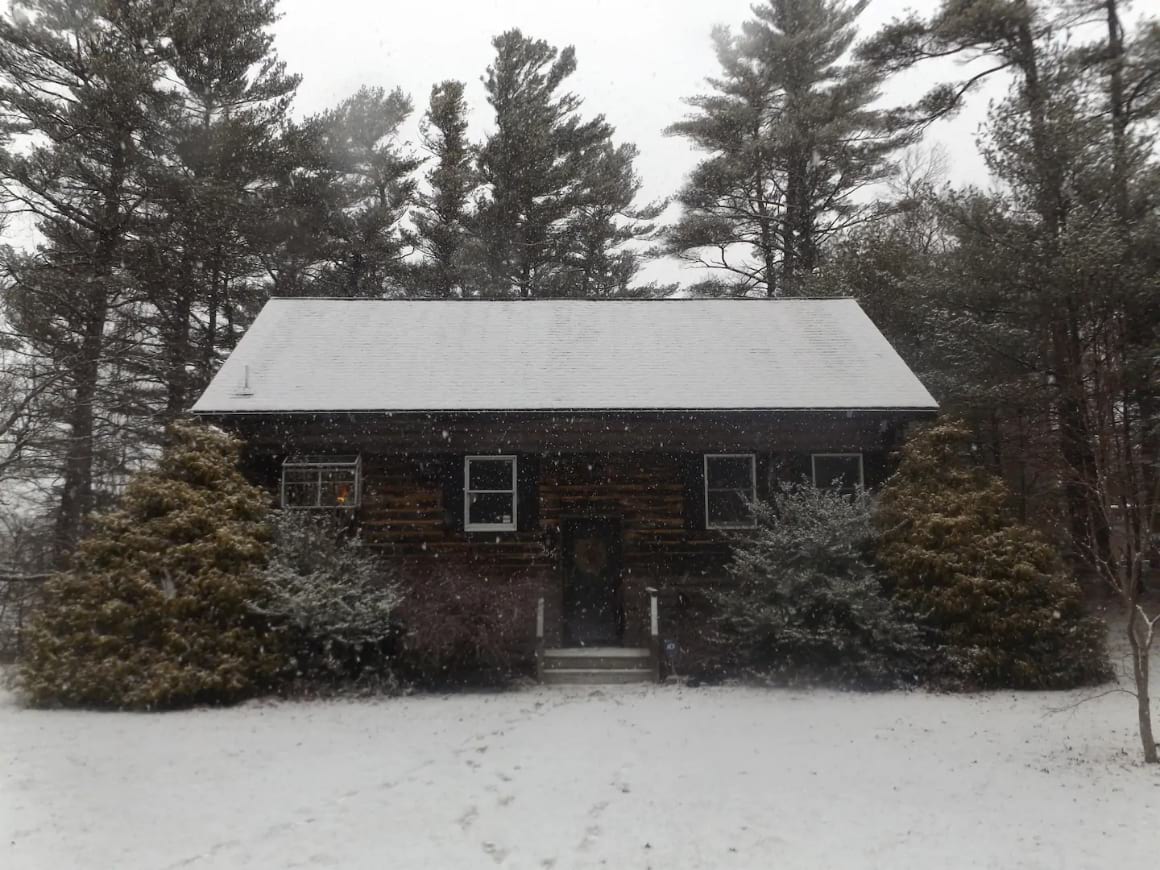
(626, 777)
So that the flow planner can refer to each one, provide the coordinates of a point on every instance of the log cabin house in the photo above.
(599, 454)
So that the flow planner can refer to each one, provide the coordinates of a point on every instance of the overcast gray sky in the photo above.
(637, 60)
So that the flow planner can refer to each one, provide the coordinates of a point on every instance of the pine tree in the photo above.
(533, 164)
(1123, 74)
(373, 189)
(733, 198)
(793, 136)
(1128, 409)
(601, 251)
(84, 79)
(200, 248)
(155, 609)
(805, 602)
(993, 591)
(442, 217)
(1040, 142)
(299, 209)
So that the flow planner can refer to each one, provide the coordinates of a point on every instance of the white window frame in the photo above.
(814, 466)
(752, 457)
(322, 464)
(468, 492)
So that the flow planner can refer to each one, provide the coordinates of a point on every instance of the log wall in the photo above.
(642, 471)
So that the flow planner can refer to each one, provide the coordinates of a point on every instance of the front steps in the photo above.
(596, 666)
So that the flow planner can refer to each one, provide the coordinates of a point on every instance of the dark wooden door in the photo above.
(593, 611)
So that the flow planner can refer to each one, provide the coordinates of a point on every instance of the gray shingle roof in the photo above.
(370, 355)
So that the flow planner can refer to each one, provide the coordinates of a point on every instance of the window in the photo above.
(321, 482)
(842, 471)
(730, 489)
(489, 494)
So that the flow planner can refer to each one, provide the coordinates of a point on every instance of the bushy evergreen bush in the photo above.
(335, 601)
(994, 592)
(154, 610)
(806, 604)
(463, 627)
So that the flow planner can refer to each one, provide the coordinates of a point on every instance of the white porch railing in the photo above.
(540, 639)
(654, 631)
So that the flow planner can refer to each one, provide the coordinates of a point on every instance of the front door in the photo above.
(593, 612)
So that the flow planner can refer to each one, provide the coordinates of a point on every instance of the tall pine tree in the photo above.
(80, 96)
(601, 248)
(442, 217)
(1040, 140)
(793, 137)
(372, 188)
(558, 215)
(200, 248)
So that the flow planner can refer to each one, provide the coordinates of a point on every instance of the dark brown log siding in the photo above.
(405, 514)
(543, 433)
(646, 473)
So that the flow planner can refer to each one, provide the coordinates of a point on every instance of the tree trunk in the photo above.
(1141, 390)
(76, 495)
(1089, 532)
(180, 352)
(1141, 648)
(209, 341)
(1117, 108)
(789, 232)
(767, 244)
(766, 225)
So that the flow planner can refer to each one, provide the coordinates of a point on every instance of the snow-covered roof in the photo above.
(316, 355)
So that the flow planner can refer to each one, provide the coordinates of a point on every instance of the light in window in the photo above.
(840, 471)
(489, 493)
(730, 489)
(321, 482)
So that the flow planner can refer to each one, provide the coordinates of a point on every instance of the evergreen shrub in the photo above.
(335, 602)
(1002, 609)
(154, 611)
(805, 603)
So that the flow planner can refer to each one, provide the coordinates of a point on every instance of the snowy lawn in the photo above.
(626, 777)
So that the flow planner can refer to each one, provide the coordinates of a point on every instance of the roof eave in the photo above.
(869, 409)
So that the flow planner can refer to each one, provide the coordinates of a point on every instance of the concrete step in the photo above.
(593, 658)
(597, 676)
(624, 652)
(596, 665)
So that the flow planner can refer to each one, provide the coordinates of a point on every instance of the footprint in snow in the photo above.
(468, 818)
(591, 833)
(496, 853)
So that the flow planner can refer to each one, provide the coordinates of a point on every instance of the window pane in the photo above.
(840, 472)
(307, 486)
(730, 472)
(489, 473)
(301, 494)
(337, 488)
(729, 508)
(300, 475)
(490, 508)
